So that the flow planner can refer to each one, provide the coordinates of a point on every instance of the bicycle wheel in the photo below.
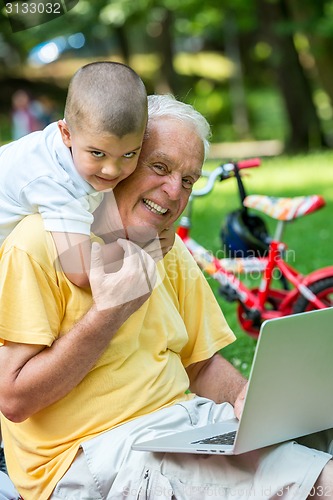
(323, 289)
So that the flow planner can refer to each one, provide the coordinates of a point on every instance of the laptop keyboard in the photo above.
(227, 438)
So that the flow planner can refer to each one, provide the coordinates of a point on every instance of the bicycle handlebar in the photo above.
(211, 176)
(250, 163)
(223, 172)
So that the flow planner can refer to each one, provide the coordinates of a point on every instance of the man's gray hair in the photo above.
(167, 105)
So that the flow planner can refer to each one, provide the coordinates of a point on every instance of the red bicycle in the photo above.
(249, 249)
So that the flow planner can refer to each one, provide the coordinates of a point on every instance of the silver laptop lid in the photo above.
(290, 392)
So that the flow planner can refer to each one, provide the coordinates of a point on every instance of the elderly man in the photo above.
(84, 375)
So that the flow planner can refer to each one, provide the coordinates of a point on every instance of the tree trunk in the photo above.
(167, 80)
(305, 127)
(237, 92)
(308, 14)
(120, 33)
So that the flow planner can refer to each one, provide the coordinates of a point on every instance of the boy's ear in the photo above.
(65, 133)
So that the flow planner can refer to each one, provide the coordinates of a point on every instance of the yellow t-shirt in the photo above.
(141, 371)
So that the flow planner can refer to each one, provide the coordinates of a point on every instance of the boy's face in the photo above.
(102, 160)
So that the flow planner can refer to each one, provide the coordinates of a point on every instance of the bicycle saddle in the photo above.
(284, 208)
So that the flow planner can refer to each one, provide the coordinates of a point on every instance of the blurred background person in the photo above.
(24, 119)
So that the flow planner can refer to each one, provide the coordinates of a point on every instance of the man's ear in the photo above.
(65, 133)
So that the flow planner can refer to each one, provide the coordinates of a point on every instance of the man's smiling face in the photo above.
(158, 190)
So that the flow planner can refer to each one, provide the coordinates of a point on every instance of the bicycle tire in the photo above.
(323, 289)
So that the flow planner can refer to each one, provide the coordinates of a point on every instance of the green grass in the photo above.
(308, 238)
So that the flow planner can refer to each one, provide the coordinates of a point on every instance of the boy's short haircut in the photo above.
(106, 97)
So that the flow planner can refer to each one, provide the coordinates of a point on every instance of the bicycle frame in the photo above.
(264, 302)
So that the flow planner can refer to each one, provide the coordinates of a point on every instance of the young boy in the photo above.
(63, 170)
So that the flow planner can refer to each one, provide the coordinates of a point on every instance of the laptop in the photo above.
(289, 393)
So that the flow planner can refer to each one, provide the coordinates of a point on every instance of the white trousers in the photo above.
(106, 467)
(7, 490)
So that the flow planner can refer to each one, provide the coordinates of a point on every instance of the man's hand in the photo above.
(239, 403)
(134, 281)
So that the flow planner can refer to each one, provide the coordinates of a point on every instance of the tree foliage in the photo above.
(285, 45)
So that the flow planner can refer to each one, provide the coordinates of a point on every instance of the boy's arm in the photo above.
(74, 251)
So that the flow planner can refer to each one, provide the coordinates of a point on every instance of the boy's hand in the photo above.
(134, 281)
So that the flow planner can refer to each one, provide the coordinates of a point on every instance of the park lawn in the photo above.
(309, 238)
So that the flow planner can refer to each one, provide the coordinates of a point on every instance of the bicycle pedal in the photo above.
(228, 293)
(3, 467)
(252, 315)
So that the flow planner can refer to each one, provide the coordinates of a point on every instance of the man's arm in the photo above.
(34, 377)
(216, 379)
(37, 376)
